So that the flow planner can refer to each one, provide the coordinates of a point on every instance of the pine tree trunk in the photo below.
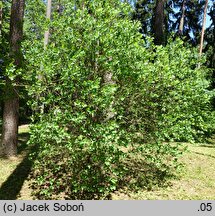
(10, 123)
(1, 11)
(203, 28)
(11, 103)
(181, 25)
(158, 24)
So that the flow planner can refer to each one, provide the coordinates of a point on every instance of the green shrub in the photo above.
(172, 100)
(105, 99)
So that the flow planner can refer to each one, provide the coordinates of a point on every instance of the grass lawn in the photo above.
(14, 171)
(195, 182)
(197, 179)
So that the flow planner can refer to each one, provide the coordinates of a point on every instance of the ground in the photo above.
(196, 181)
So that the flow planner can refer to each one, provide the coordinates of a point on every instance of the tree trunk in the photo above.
(158, 24)
(203, 28)
(11, 103)
(181, 25)
(10, 123)
(1, 10)
(48, 16)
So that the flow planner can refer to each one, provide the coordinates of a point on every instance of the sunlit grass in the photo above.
(23, 129)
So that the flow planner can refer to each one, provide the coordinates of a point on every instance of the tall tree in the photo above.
(209, 48)
(211, 37)
(186, 16)
(203, 28)
(11, 103)
(181, 25)
(1, 9)
(160, 18)
(158, 24)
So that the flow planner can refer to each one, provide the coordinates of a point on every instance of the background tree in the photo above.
(153, 16)
(203, 28)
(209, 48)
(188, 13)
(11, 102)
(1, 11)
(158, 22)
(181, 25)
(174, 15)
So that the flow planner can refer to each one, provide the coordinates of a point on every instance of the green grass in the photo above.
(196, 180)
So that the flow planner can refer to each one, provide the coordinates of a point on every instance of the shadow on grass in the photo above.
(211, 145)
(143, 175)
(12, 186)
(207, 155)
(10, 189)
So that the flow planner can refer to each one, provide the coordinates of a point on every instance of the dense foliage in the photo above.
(103, 99)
